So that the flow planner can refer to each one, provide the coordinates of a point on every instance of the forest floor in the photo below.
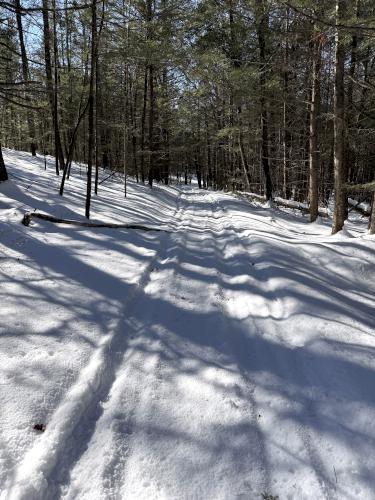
(230, 357)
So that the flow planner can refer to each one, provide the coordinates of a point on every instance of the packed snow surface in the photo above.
(230, 357)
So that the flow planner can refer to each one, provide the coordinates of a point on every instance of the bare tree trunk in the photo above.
(91, 121)
(286, 132)
(151, 108)
(372, 216)
(133, 105)
(25, 74)
(50, 86)
(72, 142)
(314, 156)
(352, 114)
(165, 130)
(151, 126)
(96, 156)
(261, 31)
(208, 153)
(244, 162)
(143, 123)
(339, 214)
(98, 107)
(59, 149)
(3, 170)
(198, 171)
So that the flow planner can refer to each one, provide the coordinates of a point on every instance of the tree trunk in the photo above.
(165, 131)
(97, 141)
(244, 163)
(314, 156)
(59, 149)
(50, 86)
(3, 170)
(151, 126)
(198, 171)
(143, 123)
(69, 157)
(286, 132)
(26, 75)
(372, 216)
(339, 214)
(352, 113)
(262, 28)
(91, 121)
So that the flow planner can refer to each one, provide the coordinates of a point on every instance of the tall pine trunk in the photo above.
(339, 214)
(262, 29)
(97, 136)
(314, 156)
(151, 125)
(286, 131)
(51, 90)
(91, 120)
(372, 216)
(244, 162)
(143, 124)
(25, 75)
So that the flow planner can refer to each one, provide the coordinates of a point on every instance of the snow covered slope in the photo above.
(230, 357)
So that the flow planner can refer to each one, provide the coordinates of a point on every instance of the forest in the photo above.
(267, 97)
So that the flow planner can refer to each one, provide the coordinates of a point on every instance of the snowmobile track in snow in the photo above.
(328, 490)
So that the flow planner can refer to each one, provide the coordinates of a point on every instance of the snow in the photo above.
(229, 357)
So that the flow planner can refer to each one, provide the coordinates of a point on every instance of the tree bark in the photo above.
(3, 170)
(198, 171)
(72, 142)
(151, 126)
(352, 167)
(25, 74)
(245, 165)
(165, 129)
(50, 86)
(339, 214)
(262, 28)
(91, 121)
(314, 156)
(97, 141)
(143, 124)
(286, 132)
(59, 150)
(151, 95)
(37, 215)
(372, 216)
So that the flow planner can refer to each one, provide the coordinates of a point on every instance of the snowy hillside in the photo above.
(230, 357)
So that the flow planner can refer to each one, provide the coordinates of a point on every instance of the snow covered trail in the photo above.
(218, 401)
(232, 357)
(214, 399)
(180, 411)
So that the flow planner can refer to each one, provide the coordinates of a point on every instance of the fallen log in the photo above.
(299, 206)
(283, 203)
(302, 207)
(359, 206)
(37, 215)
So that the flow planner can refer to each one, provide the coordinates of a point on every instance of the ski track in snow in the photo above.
(77, 414)
(233, 356)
